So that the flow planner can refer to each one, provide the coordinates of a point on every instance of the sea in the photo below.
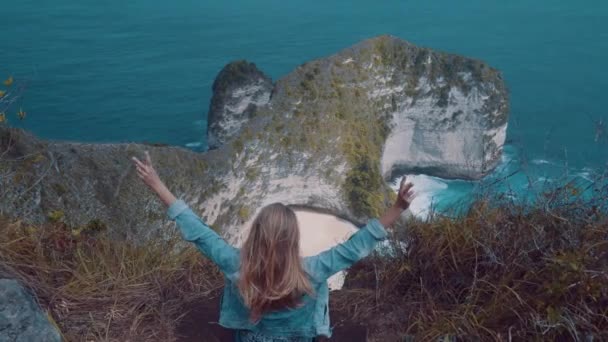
(142, 70)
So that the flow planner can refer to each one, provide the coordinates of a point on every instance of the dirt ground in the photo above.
(200, 324)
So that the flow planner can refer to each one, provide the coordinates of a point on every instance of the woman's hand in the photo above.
(404, 199)
(148, 174)
(406, 195)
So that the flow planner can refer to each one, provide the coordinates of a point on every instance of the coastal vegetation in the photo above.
(96, 288)
(500, 271)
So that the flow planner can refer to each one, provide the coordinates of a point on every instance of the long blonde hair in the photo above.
(272, 276)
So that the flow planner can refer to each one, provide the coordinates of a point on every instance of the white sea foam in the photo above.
(507, 158)
(194, 144)
(586, 175)
(427, 189)
(540, 161)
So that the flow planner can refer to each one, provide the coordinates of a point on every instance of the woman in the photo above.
(271, 293)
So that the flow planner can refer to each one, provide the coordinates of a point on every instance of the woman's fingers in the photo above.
(409, 197)
(145, 170)
(141, 167)
(402, 182)
(138, 162)
(404, 189)
(148, 159)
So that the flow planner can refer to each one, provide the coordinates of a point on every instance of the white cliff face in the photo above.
(451, 127)
(419, 140)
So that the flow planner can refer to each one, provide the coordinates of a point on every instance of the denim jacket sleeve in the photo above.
(194, 230)
(342, 256)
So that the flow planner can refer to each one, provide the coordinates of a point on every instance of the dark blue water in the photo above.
(141, 70)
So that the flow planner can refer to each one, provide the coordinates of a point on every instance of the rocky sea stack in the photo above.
(238, 90)
(326, 136)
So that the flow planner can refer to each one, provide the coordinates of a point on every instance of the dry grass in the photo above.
(500, 272)
(96, 289)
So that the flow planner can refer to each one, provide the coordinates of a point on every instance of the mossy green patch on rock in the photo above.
(96, 225)
(364, 187)
(244, 213)
(55, 215)
(252, 173)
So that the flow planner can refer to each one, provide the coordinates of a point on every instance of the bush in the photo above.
(501, 271)
(98, 289)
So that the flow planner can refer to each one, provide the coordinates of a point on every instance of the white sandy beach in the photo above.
(320, 232)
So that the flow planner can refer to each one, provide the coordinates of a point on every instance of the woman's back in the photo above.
(310, 317)
(268, 274)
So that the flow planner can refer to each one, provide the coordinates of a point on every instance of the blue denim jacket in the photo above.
(308, 320)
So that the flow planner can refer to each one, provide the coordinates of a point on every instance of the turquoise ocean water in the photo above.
(141, 70)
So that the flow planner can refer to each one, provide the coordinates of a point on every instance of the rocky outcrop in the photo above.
(239, 89)
(21, 319)
(449, 120)
(94, 185)
(334, 130)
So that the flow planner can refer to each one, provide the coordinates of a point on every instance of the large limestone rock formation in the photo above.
(333, 131)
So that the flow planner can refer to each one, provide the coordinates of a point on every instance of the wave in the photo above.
(509, 179)
(541, 162)
(586, 175)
